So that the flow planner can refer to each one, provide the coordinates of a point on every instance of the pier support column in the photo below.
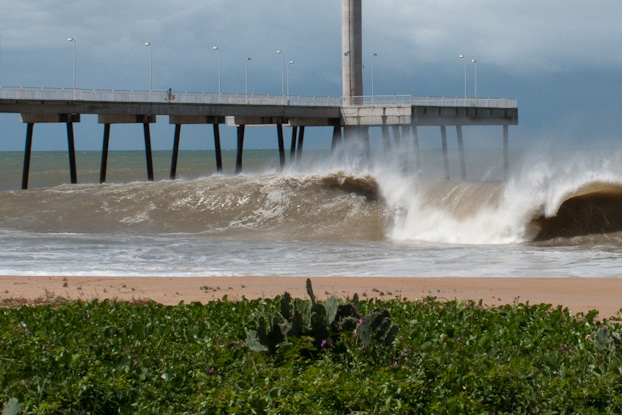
(415, 135)
(445, 156)
(506, 156)
(301, 138)
(366, 142)
(71, 149)
(31, 119)
(217, 148)
(27, 153)
(175, 151)
(238, 159)
(337, 138)
(179, 120)
(108, 119)
(403, 148)
(292, 147)
(148, 153)
(397, 136)
(104, 165)
(279, 132)
(386, 139)
(461, 152)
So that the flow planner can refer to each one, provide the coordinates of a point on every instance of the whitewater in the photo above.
(552, 217)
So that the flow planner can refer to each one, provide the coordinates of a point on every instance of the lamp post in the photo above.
(475, 62)
(247, 61)
(288, 63)
(150, 46)
(465, 76)
(280, 52)
(217, 49)
(372, 75)
(72, 40)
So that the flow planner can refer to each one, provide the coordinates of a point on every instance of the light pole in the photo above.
(217, 49)
(372, 75)
(475, 62)
(288, 63)
(150, 46)
(72, 40)
(465, 76)
(247, 61)
(280, 52)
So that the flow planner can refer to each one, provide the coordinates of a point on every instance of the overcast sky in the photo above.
(560, 58)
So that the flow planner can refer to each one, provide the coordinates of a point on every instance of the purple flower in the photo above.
(395, 363)
(323, 343)
(360, 320)
(210, 371)
(135, 362)
(27, 331)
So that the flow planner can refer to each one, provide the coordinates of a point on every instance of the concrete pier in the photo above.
(348, 121)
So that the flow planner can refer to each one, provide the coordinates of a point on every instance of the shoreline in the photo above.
(580, 295)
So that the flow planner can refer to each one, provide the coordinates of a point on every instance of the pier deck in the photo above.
(353, 114)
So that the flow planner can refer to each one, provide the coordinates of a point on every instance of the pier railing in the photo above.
(68, 94)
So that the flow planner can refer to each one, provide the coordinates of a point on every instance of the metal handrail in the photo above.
(68, 94)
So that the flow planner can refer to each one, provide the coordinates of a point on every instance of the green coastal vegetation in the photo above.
(292, 356)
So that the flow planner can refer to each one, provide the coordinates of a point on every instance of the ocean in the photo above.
(556, 215)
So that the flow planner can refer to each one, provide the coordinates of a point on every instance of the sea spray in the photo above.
(539, 201)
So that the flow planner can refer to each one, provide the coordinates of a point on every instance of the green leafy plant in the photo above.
(327, 324)
(448, 357)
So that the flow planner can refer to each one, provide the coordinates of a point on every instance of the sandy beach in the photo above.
(578, 294)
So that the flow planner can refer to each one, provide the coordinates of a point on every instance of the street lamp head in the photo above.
(375, 54)
(249, 59)
(279, 51)
(462, 56)
(147, 43)
(70, 39)
(474, 61)
(215, 47)
(290, 62)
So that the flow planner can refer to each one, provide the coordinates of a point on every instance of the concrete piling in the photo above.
(175, 151)
(148, 153)
(461, 152)
(445, 156)
(238, 159)
(27, 153)
(279, 132)
(301, 137)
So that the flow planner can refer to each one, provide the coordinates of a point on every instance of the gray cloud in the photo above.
(522, 47)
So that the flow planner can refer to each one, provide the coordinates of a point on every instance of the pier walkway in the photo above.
(349, 117)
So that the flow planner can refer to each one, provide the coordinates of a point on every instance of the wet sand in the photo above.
(577, 294)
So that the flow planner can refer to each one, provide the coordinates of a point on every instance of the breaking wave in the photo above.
(539, 203)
